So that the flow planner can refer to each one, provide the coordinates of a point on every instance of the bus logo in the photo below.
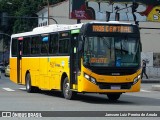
(116, 74)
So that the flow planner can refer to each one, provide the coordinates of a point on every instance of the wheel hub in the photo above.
(67, 89)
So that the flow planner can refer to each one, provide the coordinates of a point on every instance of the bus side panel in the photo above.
(13, 70)
(25, 64)
(34, 69)
(51, 73)
(43, 66)
(32, 65)
(43, 73)
(58, 66)
(28, 65)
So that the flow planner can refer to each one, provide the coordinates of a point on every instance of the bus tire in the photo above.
(113, 96)
(67, 93)
(29, 87)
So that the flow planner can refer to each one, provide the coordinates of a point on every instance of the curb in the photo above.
(156, 87)
(150, 81)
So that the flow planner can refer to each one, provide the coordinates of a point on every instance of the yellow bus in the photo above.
(93, 57)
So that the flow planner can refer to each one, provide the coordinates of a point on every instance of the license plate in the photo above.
(113, 87)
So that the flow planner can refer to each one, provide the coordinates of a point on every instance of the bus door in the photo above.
(73, 60)
(19, 58)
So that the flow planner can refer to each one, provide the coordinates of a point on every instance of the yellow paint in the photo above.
(87, 86)
(154, 15)
(46, 73)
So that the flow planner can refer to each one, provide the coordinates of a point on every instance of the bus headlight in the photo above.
(91, 79)
(136, 79)
(86, 76)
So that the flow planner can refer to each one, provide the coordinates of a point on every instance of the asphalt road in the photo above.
(15, 98)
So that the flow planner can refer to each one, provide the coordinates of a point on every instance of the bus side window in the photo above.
(64, 45)
(14, 47)
(26, 46)
(35, 45)
(53, 44)
(44, 44)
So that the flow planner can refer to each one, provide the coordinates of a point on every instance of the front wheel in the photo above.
(113, 96)
(67, 92)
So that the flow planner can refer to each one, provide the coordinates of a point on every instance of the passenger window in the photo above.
(26, 46)
(63, 46)
(35, 45)
(44, 44)
(14, 47)
(53, 44)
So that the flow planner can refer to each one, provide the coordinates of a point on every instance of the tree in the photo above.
(22, 8)
(17, 24)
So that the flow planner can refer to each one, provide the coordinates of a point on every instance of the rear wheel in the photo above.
(67, 92)
(113, 96)
(29, 87)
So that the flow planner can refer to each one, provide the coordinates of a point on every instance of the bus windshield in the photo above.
(111, 51)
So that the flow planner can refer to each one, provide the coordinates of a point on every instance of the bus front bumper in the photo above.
(88, 86)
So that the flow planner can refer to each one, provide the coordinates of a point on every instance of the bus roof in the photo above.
(48, 29)
(111, 22)
(61, 27)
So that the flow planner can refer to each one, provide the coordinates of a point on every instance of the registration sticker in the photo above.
(115, 87)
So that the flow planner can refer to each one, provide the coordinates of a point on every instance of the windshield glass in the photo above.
(111, 51)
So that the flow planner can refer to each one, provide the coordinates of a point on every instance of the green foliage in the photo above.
(19, 9)
(22, 8)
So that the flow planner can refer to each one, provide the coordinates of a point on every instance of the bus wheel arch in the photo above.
(28, 83)
(67, 93)
(64, 75)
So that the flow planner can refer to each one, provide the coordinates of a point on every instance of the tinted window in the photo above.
(44, 44)
(53, 44)
(35, 45)
(63, 45)
(26, 46)
(14, 47)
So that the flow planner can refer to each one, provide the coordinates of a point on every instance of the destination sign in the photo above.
(112, 28)
(98, 60)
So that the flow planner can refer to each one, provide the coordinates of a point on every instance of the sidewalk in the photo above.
(153, 80)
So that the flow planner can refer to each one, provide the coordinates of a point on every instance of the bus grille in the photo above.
(110, 85)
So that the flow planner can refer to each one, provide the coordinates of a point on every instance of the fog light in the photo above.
(135, 80)
(93, 80)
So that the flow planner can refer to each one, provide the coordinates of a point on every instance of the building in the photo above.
(56, 12)
(149, 37)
